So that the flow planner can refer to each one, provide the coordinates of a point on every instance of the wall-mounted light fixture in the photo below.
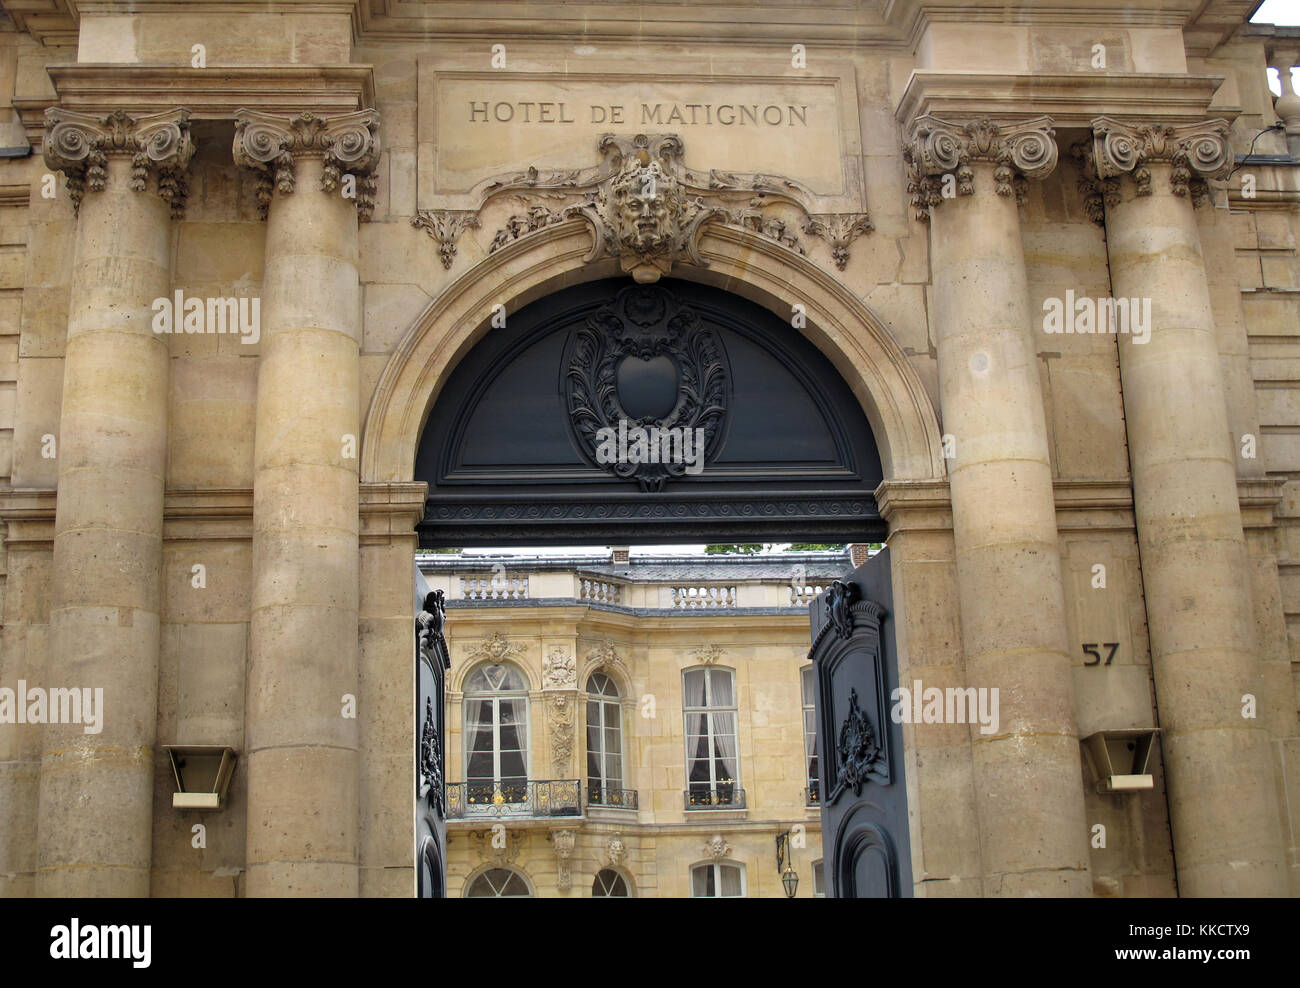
(202, 773)
(1119, 758)
(785, 864)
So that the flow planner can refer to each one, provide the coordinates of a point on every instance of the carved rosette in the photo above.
(1019, 150)
(347, 144)
(1195, 153)
(158, 144)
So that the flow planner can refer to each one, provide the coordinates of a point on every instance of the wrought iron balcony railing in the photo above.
(719, 797)
(619, 799)
(812, 795)
(515, 798)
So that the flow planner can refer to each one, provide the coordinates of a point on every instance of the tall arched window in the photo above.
(712, 765)
(604, 742)
(811, 794)
(498, 883)
(496, 734)
(720, 880)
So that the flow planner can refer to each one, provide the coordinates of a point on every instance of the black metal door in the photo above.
(863, 798)
(431, 664)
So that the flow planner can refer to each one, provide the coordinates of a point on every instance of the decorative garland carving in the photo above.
(564, 841)
(559, 670)
(644, 207)
(646, 325)
(1195, 152)
(559, 719)
(346, 143)
(1021, 150)
(857, 749)
(158, 144)
(707, 655)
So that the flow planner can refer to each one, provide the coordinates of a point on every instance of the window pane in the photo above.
(700, 882)
(730, 880)
(722, 695)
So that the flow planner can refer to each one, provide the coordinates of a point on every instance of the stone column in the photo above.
(302, 736)
(95, 816)
(1195, 567)
(1028, 784)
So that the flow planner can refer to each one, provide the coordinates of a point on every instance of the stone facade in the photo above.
(642, 624)
(217, 527)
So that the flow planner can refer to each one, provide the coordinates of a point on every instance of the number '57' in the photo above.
(1090, 648)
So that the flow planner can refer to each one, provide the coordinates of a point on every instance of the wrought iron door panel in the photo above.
(431, 664)
(863, 799)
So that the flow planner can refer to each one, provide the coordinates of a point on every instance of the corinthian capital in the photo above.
(347, 143)
(1020, 150)
(158, 144)
(1196, 152)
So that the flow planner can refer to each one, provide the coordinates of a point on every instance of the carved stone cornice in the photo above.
(1020, 150)
(1195, 152)
(645, 208)
(347, 143)
(158, 144)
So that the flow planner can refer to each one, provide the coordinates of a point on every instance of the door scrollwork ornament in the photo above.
(430, 783)
(857, 749)
(840, 600)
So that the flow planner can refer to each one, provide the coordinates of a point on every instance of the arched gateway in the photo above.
(613, 411)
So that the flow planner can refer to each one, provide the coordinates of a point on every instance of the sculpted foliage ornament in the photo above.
(430, 781)
(158, 144)
(1021, 150)
(559, 716)
(445, 226)
(346, 143)
(645, 208)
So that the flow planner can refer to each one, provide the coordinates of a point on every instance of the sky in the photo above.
(1278, 12)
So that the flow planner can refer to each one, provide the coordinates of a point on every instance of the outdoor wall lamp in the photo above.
(785, 864)
(1119, 758)
(202, 773)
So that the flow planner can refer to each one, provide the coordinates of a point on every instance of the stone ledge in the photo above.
(209, 94)
(1070, 99)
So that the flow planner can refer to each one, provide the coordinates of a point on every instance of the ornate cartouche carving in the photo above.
(857, 749)
(646, 329)
(1021, 150)
(559, 670)
(348, 143)
(158, 144)
(647, 209)
(1196, 152)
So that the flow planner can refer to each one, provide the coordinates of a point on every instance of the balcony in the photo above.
(500, 800)
(612, 799)
(722, 797)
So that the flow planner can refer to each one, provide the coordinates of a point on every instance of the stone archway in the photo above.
(838, 324)
(858, 345)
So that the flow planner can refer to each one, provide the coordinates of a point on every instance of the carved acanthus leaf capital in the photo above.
(158, 144)
(1195, 152)
(347, 144)
(935, 147)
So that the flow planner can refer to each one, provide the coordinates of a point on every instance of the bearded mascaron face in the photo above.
(645, 222)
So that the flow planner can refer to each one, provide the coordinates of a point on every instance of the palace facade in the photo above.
(292, 289)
